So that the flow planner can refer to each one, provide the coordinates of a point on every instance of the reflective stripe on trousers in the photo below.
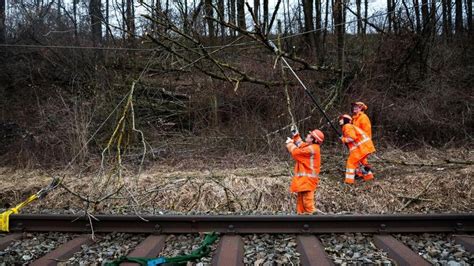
(306, 174)
(350, 173)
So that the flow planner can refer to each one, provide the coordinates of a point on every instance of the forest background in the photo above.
(207, 83)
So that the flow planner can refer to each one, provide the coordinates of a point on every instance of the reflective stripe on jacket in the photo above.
(362, 121)
(307, 166)
(360, 145)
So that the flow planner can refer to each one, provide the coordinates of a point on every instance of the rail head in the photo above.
(238, 224)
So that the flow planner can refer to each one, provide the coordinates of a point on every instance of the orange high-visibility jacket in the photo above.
(362, 121)
(307, 167)
(360, 145)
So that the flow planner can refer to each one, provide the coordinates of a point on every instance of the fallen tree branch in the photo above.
(432, 164)
(243, 77)
(414, 198)
(417, 197)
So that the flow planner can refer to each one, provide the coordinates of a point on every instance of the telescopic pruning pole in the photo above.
(275, 49)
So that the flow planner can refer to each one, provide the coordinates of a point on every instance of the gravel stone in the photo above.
(32, 247)
(106, 249)
(356, 256)
(265, 249)
(352, 249)
(177, 245)
(437, 248)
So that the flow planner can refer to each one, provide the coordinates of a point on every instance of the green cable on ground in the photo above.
(198, 253)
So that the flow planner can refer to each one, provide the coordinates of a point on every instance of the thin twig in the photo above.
(419, 194)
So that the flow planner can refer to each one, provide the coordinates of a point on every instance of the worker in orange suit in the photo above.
(362, 121)
(360, 146)
(307, 155)
(360, 118)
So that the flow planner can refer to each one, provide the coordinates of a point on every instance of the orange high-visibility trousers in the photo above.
(367, 175)
(352, 164)
(305, 202)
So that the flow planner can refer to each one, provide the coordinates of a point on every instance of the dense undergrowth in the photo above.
(54, 101)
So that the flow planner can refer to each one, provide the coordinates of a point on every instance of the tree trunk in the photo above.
(241, 14)
(130, 21)
(469, 16)
(107, 35)
(185, 17)
(58, 19)
(221, 9)
(389, 15)
(344, 14)
(286, 16)
(458, 23)
(2, 21)
(446, 30)
(156, 14)
(433, 17)
(393, 15)
(300, 18)
(424, 14)
(265, 15)
(232, 15)
(124, 21)
(449, 3)
(358, 12)
(318, 8)
(339, 27)
(417, 15)
(210, 13)
(289, 17)
(96, 21)
(74, 14)
(256, 10)
(323, 42)
(308, 22)
(366, 14)
(317, 34)
(158, 8)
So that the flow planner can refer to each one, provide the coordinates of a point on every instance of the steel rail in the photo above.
(166, 224)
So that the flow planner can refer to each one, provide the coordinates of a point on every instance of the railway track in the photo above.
(381, 230)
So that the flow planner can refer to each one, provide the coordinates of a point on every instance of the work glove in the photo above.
(289, 140)
(294, 131)
(348, 140)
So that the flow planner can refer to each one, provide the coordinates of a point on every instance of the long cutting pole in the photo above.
(275, 49)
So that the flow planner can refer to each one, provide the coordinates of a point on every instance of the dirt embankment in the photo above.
(422, 181)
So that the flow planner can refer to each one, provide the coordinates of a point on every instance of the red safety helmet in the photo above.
(318, 135)
(361, 105)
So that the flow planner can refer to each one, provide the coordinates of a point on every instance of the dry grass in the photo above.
(195, 185)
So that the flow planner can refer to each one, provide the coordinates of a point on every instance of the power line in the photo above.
(77, 47)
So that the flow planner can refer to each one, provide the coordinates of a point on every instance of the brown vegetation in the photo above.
(200, 83)
(208, 185)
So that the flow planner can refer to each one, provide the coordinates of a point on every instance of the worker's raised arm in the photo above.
(348, 133)
(301, 153)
